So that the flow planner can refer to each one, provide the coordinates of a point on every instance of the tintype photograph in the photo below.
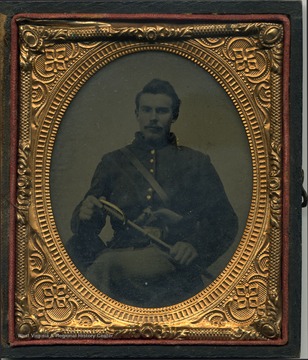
(150, 183)
(155, 172)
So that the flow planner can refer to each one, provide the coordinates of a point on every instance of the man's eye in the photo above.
(146, 109)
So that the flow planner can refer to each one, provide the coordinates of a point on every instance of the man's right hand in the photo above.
(88, 206)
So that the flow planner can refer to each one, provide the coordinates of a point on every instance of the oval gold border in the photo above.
(57, 103)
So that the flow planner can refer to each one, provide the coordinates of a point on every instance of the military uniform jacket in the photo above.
(194, 189)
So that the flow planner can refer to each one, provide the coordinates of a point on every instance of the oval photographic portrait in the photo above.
(151, 179)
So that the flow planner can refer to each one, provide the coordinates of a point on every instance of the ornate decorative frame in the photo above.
(246, 303)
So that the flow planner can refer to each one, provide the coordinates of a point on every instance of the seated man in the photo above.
(170, 191)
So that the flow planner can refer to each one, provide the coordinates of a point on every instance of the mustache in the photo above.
(153, 127)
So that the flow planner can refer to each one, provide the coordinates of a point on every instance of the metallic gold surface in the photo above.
(53, 299)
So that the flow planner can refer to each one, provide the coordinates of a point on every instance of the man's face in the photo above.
(155, 116)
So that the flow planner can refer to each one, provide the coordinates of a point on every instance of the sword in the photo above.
(119, 214)
(115, 211)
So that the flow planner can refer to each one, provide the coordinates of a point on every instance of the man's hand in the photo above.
(183, 253)
(88, 206)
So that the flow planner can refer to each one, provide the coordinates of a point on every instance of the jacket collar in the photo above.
(140, 142)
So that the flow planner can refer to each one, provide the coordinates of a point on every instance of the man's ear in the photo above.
(136, 112)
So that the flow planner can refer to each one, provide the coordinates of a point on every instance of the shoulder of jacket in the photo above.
(192, 152)
(111, 155)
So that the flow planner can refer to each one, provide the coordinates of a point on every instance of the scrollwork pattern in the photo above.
(34, 36)
(37, 258)
(269, 324)
(88, 318)
(23, 182)
(275, 184)
(149, 331)
(215, 318)
(26, 323)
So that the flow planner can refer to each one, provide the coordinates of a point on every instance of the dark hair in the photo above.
(157, 86)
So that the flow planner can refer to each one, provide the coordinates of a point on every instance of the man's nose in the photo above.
(154, 116)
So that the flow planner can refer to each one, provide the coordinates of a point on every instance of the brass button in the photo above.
(149, 197)
(150, 189)
(153, 152)
(151, 161)
(152, 171)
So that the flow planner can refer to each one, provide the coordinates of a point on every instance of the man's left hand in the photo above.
(183, 253)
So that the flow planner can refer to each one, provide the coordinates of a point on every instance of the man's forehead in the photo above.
(148, 99)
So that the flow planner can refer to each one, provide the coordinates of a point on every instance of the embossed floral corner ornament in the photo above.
(53, 299)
